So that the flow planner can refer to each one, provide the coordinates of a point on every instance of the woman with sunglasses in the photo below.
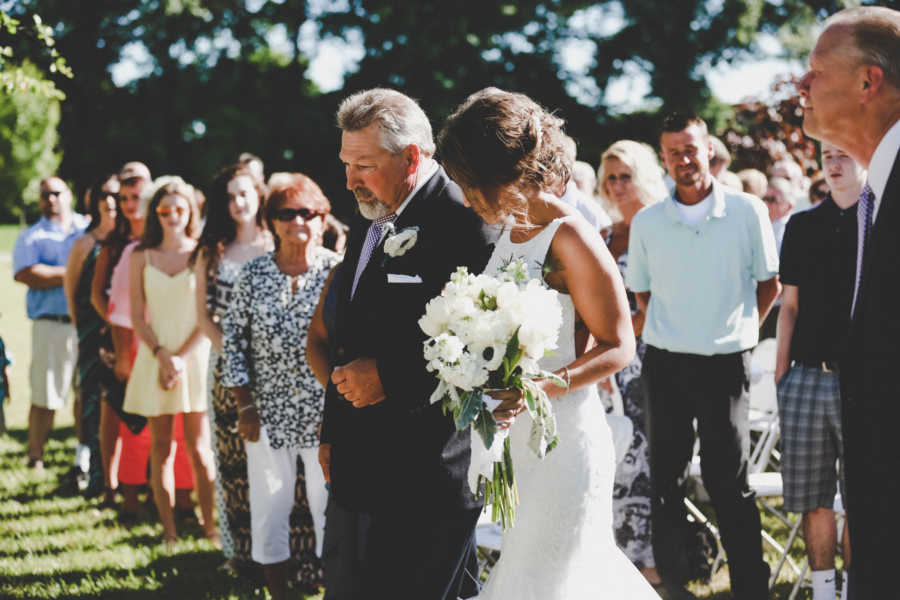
(124, 438)
(169, 373)
(279, 400)
(234, 233)
(93, 331)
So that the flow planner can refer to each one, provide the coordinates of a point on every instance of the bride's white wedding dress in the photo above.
(562, 544)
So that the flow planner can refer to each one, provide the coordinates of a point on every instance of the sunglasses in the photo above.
(770, 199)
(165, 211)
(49, 193)
(289, 214)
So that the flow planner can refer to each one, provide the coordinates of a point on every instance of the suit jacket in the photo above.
(402, 452)
(871, 404)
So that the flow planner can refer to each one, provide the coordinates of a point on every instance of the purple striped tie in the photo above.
(863, 227)
(372, 238)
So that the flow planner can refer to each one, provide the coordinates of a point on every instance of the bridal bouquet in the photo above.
(488, 333)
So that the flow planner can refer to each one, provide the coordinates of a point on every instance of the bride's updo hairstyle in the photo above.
(500, 144)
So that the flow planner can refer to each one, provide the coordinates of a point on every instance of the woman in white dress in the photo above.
(505, 152)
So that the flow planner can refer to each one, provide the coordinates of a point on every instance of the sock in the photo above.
(823, 585)
(844, 585)
(83, 457)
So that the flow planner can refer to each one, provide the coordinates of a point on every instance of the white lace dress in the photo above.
(562, 545)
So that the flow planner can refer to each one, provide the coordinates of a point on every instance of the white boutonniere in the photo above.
(398, 243)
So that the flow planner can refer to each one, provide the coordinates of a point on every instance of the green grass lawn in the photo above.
(54, 545)
(8, 235)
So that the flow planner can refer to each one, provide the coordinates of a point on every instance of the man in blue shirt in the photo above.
(39, 261)
(703, 265)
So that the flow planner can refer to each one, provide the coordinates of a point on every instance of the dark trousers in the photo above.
(427, 556)
(714, 390)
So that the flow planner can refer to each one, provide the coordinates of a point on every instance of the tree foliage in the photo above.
(213, 79)
(28, 140)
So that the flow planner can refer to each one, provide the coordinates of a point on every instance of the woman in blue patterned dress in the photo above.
(630, 178)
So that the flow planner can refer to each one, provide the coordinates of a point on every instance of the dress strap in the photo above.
(540, 244)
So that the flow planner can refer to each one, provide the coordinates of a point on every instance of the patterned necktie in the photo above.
(864, 210)
(372, 238)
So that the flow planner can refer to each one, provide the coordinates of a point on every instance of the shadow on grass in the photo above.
(184, 575)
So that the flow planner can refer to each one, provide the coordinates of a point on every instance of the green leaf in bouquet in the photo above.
(470, 404)
(507, 462)
(529, 399)
(486, 426)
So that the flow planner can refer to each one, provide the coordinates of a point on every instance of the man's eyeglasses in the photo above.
(164, 211)
(820, 192)
(289, 214)
(770, 199)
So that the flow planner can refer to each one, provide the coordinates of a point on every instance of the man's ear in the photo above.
(413, 157)
(872, 82)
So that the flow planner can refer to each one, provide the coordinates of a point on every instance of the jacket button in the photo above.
(340, 351)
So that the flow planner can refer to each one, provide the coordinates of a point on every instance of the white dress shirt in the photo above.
(882, 163)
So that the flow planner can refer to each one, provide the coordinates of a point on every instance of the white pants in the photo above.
(54, 352)
(272, 477)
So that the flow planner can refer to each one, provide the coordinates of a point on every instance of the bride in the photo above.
(506, 154)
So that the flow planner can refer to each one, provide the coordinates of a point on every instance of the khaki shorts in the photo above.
(54, 351)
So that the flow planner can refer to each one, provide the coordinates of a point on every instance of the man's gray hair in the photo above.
(876, 33)
(401, 120)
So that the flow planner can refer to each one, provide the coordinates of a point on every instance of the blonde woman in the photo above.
(630, 178)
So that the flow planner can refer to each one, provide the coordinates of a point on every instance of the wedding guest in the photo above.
(93, 331)
(5, 392)
(789, 169)
(574, 197)
(39, 261)
(169, 372)
(730, 179)
(818, 268)
(720, 159)
(234, 233)
(630, 179)
(818, 188)
(851, 99)
(779, 202)
(754, 182)
(255, 165)
(279, 401)
(703, 265)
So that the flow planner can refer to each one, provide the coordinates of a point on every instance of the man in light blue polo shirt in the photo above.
(703, 265)
(39, 261)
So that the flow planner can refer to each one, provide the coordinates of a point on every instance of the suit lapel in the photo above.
(884, 225)
(414, 213)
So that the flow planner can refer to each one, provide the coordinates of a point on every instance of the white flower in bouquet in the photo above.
(488, 332)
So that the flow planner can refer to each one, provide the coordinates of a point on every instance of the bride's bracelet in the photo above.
(566, 377)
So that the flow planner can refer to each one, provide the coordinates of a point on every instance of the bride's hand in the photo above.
(513, 403)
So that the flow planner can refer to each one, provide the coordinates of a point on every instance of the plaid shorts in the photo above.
(809, 406)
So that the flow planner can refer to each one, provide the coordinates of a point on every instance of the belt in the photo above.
(54, 318)
(823, 365)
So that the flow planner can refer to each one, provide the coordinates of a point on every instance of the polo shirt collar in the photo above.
(718, 203)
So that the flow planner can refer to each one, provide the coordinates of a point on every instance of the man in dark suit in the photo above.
(852, 100)
(401, 517)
